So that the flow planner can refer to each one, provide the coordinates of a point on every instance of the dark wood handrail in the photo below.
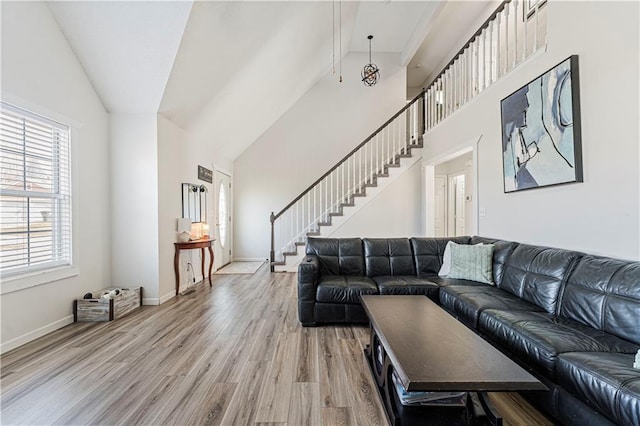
(346, 157)
(485, 25)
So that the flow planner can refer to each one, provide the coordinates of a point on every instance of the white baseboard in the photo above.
(33, 335)
(250, 259)
(168, 296)
(154, 301)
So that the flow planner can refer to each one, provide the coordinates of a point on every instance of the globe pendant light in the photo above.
(370, 72)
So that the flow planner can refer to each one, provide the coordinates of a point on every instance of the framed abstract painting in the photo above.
(541, 138)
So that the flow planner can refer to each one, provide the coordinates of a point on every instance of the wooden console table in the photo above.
(202, 244)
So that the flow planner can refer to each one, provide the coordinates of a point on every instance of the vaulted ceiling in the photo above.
(209, 65)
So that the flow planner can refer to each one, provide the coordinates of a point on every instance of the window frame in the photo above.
(61, 197)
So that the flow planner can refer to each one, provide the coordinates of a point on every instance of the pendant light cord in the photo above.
(340, 6)
(333, 35)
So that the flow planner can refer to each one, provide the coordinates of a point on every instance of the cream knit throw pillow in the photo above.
(472, 262)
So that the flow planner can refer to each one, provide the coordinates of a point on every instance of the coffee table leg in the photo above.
(372, 353)
(382, 378)
(492, 415)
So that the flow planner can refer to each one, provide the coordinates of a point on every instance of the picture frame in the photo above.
(541, 131)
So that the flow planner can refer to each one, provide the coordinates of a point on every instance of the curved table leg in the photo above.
(176, 262)
(210, 264)
(202, 263)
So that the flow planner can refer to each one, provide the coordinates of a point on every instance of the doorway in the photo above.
(223, 198)
(440, 216)
(456, 206)
(450, 196)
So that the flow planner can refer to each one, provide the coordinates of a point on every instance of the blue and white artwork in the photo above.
(541, 131)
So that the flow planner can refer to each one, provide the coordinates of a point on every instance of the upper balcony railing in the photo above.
(513, 32)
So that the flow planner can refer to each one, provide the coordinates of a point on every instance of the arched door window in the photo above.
(222, 215)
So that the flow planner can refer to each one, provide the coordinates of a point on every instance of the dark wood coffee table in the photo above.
(432, 351)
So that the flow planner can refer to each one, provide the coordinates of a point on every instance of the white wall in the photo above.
(395, 212)
(134, 202)
(178, 159)
(600, 215)
(321, 128)
(41, 73)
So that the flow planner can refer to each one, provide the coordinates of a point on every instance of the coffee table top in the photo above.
(432, 351)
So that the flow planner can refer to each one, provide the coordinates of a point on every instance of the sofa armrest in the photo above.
(308, 272)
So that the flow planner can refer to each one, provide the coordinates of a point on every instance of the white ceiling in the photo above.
(390, 23)
(453, 26)
(208, 65)
(126, 48)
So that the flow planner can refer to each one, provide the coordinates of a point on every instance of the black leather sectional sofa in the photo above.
(571, 318)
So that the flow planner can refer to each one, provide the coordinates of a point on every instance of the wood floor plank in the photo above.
(334, 386)
(516, 411)
(244, 402)
(364, 395)
(340, 416)
(275, 395)
(230, 354)
(307, 363)
(304, 409)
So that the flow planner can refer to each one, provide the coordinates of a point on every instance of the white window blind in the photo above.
(35, 192)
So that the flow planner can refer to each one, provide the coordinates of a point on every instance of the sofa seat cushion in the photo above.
(446, 281)
(467, 302)
(344, 289)
(537, 338)
(606, 381)
(406, 285)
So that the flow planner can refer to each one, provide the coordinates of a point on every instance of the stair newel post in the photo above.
(272, 254)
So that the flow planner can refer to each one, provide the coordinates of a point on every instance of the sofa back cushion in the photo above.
(536, 274)
(604, 293)
(428, 253)
(388, 256)
(337, 256)
(501, 252)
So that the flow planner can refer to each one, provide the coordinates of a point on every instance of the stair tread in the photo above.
(370, 181)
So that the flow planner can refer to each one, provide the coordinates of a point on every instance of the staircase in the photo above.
(348, 186)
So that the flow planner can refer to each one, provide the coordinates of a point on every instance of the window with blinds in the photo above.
(35, 192)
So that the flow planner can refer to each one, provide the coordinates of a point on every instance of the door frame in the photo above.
(216, 184)
(429, 185)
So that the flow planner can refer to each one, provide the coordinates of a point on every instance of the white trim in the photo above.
(221, 170)
(251, 259)
(35, 334)
(167, 297)
(36, 278)
(155, 301)
(429, 179)
(476, 189)
(429, 206)
(40, 110)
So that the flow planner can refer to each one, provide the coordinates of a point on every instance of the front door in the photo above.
(223, 220)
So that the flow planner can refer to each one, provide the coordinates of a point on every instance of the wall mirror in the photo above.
(194, 202)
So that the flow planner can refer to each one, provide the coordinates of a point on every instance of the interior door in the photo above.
(222, 246)
(440, 216)
(459, 200)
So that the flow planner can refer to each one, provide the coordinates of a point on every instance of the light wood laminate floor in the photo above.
(232, 354)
